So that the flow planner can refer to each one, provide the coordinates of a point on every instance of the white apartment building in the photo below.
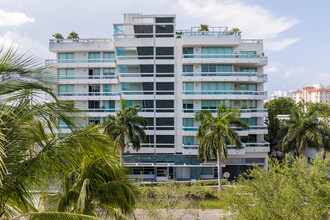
(171, 74)
(278, 94)
(317, 93)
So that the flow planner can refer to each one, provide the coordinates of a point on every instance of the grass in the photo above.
(212, 204)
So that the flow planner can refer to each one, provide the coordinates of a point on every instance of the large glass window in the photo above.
(145, 51)
(213, 104)
(187, 68)
(249, 54)
(93, 72)
(188, 104)
(250, 121)
(188, 122)
(65, 57)
(66, 73)
(217, 50)
(188, 140)
(216, 86)
(165, 123)
(165, 68)
(164, 20)
(106, 88)
(188, 86)
(165, 105)
(187, 50)
(162, 53)
(66, 88)
(109, 104)
(248, 69)
(94, 56)
(164, 86)
(95, 120)
(248, 104)
(108, 55)
(93, 104)
(108, 71)
(94, 89)
(165, 139)
(250, 87)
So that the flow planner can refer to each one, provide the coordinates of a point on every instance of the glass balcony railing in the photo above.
(249, 56)
(195, 146)
(54, 61)
(95, 40)
(86, 77)
(251, 41)
(252, 127)
(214, 110)
(223, 92)
(88, 94)
(222, 74)
(146, 92)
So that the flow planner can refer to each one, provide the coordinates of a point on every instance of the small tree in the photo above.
(73, 35)
(234, 30)
(204, 27)
(58, 36)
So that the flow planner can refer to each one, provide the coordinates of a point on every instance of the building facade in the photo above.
(172, 74)
(317, 93)
(278, 94)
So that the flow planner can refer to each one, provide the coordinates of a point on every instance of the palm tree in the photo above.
(204, 27)
(215, 132)
(97, 188)
(304, 129)
(32, 157)
(73, 35)
(125, 126)
(58, 36)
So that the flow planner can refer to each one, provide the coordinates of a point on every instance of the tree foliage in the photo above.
(58, 36)
(294, 189)
(280, 106)
(204, 27)
(215, 132)
(126, 126)
(322, 108)
(73, 35)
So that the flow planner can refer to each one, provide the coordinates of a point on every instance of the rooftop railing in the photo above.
(54, 61)
(251, 41)
(91, 40)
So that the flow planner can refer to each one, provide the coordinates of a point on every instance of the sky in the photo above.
(295, 32)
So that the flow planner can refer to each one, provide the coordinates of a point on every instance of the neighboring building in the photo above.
(278, 94)
(172, 74)
(315, 93)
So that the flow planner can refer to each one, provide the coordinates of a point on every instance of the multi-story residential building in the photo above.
(316, 93)
(171, 74)
(278, 94)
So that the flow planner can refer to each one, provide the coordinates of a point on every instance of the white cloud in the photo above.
(13, 18)
(24, 44)
(271, 68)
(325, 78)
(253, 20)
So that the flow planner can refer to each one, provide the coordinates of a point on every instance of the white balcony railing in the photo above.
(55, 61)
(223, 92)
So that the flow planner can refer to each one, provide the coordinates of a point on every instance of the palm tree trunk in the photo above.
(219, 168)
(121, 152)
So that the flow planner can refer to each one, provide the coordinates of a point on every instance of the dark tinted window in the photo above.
(164, 103)
(165, 68)
(143, 29)
(187, 68)
(165, 20)
(165, 139)
(146, 68)
(151, 138)
(165, 86)
(164, 29)
(93, 104)
(150, 121)
(148, 86)
(165, 121)
(147, 103)
(164, 51)
(145, 51)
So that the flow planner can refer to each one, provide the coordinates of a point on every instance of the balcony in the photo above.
(86, 79)
(91, 44)
(81, 63)
(223, 76)
(145, 59)
(89, 95)
(224, 94)
(254, 129)
(245, 59)
(152, 148)
(147, 95)
(245, 113)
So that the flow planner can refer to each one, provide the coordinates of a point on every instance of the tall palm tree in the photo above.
(215, 132)
(32, 157)
(125, 126)
(304, 129)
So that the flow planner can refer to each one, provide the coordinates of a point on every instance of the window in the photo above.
(249, 87)
(145, 51)
(250, 121)
(143, 29)
(188, 140)
(164, 29)
(108, 55)
(94, 56)
(165, 139)
(188, 86)
(213, 104)
(164, 86)
(94, 72)
(163, 51)
(66, 57)
(217, 68)
(217, 86)
(217, 50)
(249, 69)
(93, 104)
(251, 138)
(188, 50)
(165, 105)
(188, 104)
(163, 122)
(110, 104)
(106, 88)
(248, 104)
(187, 68)
(66, 88)
(165, 20)
(66, 73)
(94, 89)
(120, 51)
(141, 170)
(165, 68)
(108, 71)
(250, 54)
(188, 122)
(95, 120)
(146, 68)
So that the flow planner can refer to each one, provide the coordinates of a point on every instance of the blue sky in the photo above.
(296, 33)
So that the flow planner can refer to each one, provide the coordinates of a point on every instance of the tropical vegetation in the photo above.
(73, 35)
(58, 36)
(204, 27)
(126, 128)
(216, 132)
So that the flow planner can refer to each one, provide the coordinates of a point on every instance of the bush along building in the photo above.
(171, 74)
